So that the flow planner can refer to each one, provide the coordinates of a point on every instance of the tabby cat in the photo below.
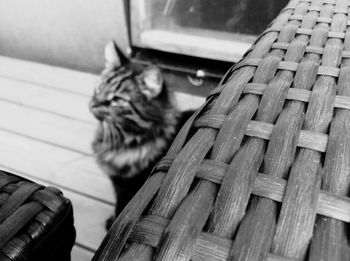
(137, 122)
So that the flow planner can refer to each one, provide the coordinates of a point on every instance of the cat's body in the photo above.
(137, 123)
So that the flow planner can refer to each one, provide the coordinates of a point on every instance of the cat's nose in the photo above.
(100, 112)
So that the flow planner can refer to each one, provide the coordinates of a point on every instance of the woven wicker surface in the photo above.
(262, 170)
(36, 222)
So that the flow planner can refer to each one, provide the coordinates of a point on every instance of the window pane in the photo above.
(214, 29)
(234, 16)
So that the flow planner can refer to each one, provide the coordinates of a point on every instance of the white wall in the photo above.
(67, 33)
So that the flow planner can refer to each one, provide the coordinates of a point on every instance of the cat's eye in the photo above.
(118, 101)
(105, 103)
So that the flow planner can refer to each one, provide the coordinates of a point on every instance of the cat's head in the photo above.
(129, 97)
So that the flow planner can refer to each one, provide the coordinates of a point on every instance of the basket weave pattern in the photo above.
(34, 224)
(262, 170)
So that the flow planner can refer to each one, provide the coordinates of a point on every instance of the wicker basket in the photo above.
(262, 170)
(36, 222)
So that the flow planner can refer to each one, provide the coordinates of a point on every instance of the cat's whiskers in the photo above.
(106, 132)
(119, 131)
(115, 135)
(139, 121)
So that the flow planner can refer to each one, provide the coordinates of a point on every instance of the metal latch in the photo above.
(198, 79)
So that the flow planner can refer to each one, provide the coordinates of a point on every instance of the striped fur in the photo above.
(137, 122)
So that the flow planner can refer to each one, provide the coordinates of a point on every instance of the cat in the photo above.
(137, 123)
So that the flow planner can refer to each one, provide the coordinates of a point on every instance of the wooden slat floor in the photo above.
(45, 135)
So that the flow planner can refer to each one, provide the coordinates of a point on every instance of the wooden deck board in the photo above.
(50, 128)
(81, 254)
(55, 165)
(48, 76)
(47, 99)
(89, 219)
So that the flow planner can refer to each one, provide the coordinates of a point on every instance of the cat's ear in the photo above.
(153, 81)
(114, 56)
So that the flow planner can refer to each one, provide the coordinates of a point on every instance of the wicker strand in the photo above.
(297, 216)
(331, 234)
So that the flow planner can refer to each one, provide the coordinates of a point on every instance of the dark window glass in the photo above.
(234, 16)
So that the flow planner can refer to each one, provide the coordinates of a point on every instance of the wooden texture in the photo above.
(47, 127)
(47, 99)
(59, 166)
(262, 170)
(80, 254)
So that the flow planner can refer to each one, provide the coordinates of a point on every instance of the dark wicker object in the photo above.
(262, 170)
(36, 222)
